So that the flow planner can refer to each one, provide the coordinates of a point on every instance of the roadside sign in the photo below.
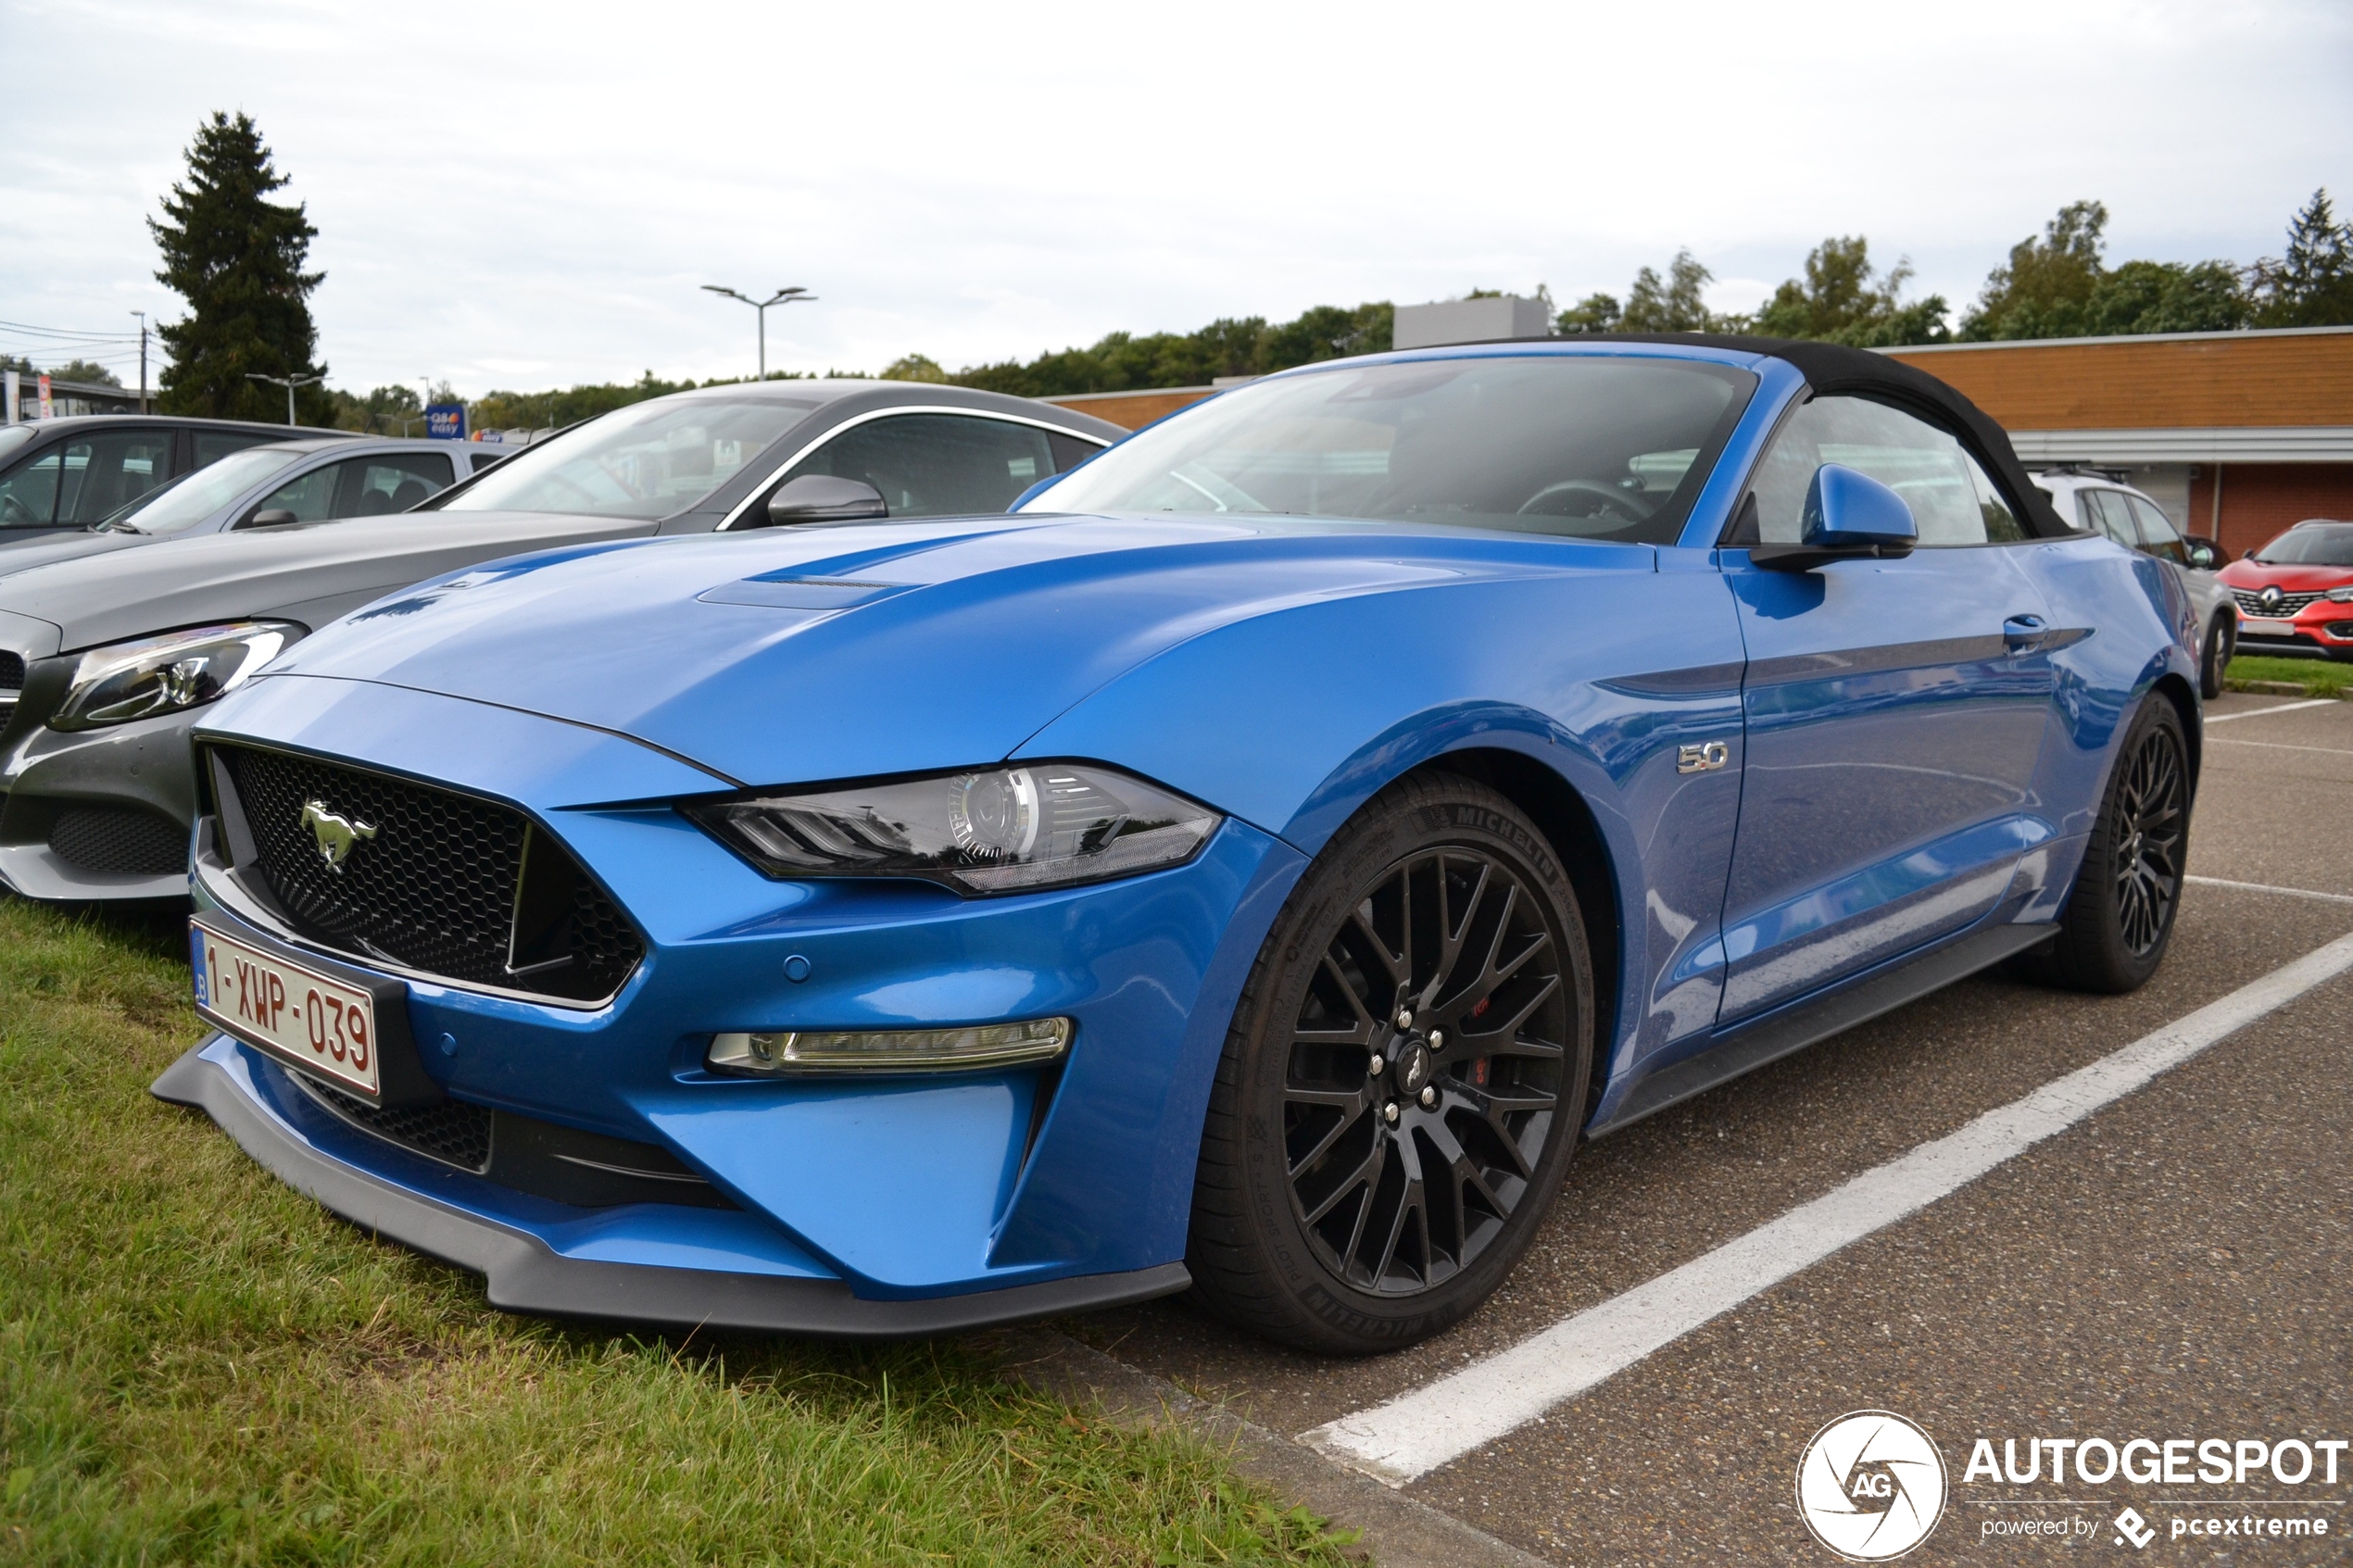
(8, 387)
(444, 421)
(48, 409)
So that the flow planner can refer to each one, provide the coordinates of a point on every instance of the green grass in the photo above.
(2319, 677)
(198, 1365)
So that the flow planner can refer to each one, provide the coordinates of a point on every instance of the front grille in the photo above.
(120, 841)
(434, 888)
(2252, 604)
(453, 1131)
(11, 673)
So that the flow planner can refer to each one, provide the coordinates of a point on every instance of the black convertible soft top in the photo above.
(1834, 367)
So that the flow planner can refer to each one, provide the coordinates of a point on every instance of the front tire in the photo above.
(2221, 642)
(1403, 1081)
(2119, 919)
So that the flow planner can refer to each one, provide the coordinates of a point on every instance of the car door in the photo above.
(941, 465)
(1894, 712)
(364, 486)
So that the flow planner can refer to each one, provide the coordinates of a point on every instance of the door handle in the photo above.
(2021, 632)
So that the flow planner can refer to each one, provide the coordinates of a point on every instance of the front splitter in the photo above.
(524, 1275)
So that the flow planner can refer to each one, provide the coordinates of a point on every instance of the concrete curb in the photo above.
(2283, 688)
(1399, 1531)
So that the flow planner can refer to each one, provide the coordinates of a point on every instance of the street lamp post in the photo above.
(782, 297)
(289, 383)
(143, 359)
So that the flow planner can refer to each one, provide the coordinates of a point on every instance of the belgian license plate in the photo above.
(305, 1018)
(2265, 626)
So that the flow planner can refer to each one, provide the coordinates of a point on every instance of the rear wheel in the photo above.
(2121, 916)
(2221, 642)
(1403, 1081)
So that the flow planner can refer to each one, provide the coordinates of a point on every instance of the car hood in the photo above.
(2288, 579)
(306, 573)
(788, 656)
(23, 555)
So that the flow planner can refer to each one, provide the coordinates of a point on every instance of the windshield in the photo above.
(2324, 543)
(1598, 447)
(205, 492)
(648, 460)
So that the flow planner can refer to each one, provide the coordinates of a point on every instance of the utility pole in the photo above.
(289, 383)
(143, 359)
(782, 297)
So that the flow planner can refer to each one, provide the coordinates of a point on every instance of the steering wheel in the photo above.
(1560, 500)
(14, 513)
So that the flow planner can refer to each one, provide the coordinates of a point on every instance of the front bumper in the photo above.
(93, 815)
(903, 1190)
(2325, 628)
(727, 1278)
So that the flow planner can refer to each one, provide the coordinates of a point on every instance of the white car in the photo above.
(2099, 503)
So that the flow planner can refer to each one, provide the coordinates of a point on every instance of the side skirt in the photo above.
(1746, 1046)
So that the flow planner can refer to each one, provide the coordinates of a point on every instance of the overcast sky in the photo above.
(519, 196)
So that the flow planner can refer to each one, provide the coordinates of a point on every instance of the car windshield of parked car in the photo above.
(1598, 447)
(203, 493)
(650, 460)
(2328, 545)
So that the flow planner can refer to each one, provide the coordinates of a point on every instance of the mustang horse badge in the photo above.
(337, 836)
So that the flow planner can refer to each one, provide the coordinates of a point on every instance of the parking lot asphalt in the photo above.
(2170, 1266)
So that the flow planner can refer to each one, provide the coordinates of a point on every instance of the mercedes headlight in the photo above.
(999, 830)
(169, 673)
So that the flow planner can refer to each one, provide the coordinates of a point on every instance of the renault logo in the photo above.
(2271, 598)
(337, 836)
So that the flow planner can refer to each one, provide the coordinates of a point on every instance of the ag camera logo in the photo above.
(1871, 1486)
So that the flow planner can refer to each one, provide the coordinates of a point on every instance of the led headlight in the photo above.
(2342, 596)
(1002, 830)
(890, 1050)
(169, 673)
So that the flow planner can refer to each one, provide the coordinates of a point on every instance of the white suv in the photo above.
(2097, 502)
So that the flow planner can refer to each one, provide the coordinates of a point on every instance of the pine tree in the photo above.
(236, 258)
(2312, 284)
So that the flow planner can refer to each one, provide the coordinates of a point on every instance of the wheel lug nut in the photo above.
(1374, 1066)
(1437, 1039)
(1389, 1112)
(1429, 1095)
(1404, 1018)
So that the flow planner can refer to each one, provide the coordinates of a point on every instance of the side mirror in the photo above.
(273, 518)
(2204, 554)
(822, 497)
(1848, 516)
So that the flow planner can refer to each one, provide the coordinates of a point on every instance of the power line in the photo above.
(28, 327)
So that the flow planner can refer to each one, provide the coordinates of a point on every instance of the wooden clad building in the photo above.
(2236, 434)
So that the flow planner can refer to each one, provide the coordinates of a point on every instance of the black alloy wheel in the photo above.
(1404, 1079)
(2153, 815)
(2119, 917)
(2222, 643)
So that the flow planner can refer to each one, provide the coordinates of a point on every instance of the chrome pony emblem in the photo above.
(337, 836)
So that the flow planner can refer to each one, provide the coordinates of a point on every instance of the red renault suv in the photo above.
(2296, 593)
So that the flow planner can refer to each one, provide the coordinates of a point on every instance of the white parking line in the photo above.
(2258, 713)
(2267, 887)
(1418, 1431)
(2282, 745)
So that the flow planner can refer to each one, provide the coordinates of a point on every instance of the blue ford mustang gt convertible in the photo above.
(1252, 865)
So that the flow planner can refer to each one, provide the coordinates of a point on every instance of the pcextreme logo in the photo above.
(1870, 1486)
